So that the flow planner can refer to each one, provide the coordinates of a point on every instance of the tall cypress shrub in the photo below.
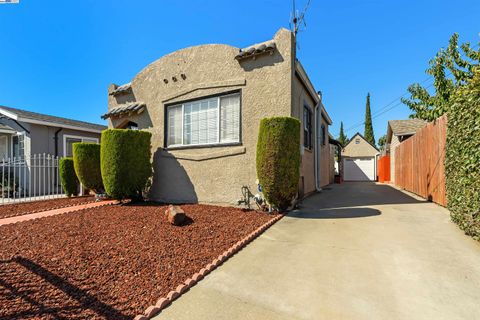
(278, 160)
(68, 178)
(342, 138)
(125, 162)
(86, 160)
(368, 134)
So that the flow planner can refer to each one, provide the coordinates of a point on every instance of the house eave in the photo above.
(58, 125)
(305, 80)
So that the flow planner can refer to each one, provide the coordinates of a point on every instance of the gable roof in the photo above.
(44, 119)
(361, 136)
(404, 127)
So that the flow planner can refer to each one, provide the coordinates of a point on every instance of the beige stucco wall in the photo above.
(300, 98)
(393, 145)
(213, 174)
(333, 149)
(324, 161)
(363, 149)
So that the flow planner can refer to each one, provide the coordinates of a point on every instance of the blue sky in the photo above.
(58, 57)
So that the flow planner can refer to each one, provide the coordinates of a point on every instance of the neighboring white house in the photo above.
(359, 160)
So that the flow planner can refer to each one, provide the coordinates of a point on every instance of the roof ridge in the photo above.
(18, 111)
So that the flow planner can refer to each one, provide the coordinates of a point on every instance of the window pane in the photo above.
(230, 119)
(15, 150)
(200, 122)
(18, 147)
(174, 125)
(69, 145)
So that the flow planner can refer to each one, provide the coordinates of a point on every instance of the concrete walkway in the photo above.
(354, 251)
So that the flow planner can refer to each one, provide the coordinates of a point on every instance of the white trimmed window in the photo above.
(203, 122)
(18, 145)
(69, 140)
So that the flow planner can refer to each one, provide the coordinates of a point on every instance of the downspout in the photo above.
(56, 141)
(317, 147)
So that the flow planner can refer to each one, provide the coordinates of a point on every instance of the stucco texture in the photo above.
(213, 174)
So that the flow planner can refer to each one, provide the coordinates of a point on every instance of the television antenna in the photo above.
(297, 18)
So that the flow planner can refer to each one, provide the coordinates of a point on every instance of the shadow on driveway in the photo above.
(356, 194)
(341, 213)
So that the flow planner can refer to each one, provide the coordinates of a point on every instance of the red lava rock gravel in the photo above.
(19, 209)
(110, 262)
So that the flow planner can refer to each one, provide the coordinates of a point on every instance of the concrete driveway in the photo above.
(353, 251)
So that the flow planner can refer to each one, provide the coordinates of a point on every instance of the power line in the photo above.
(386, 108)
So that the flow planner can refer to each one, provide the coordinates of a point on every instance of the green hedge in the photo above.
(86, 160)
(125, 162)
(462, 161)
(278, 160)
(68, 178)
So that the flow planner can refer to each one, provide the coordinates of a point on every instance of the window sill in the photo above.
(206, 154)
(203, 146)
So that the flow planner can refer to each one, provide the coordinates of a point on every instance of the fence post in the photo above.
(44, 175)
(30, 177)
(48, 176)
(3, 180)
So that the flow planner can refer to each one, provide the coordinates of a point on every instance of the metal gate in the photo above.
(32, 178)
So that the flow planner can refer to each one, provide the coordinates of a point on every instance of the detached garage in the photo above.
(359, 160)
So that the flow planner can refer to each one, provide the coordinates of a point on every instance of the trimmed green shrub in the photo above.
(68, 178)
(278, 160)
(86, 160)
(125, 162)
(462, 160)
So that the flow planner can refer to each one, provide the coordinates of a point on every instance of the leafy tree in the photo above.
(382, 141)
(342, 138)
(450, 71)
(368, 134)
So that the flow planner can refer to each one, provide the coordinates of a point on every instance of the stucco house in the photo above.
(398, 131)
(359, 160)
(24, 133)
(203, 106)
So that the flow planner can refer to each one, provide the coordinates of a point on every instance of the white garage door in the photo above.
(359, 169)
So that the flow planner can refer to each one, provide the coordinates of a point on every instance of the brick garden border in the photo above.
(164, 302)
(54, 212)
(41, 210)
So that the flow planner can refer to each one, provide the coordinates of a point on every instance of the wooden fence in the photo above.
(419, 162)
(383, 169)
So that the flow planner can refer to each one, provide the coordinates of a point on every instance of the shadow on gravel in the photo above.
(342, 213)
(41, 303)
